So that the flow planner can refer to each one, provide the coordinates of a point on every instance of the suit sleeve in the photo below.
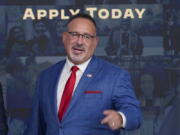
(125, 101)
(36, 125)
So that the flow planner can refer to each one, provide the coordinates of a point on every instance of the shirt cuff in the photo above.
(123, 119)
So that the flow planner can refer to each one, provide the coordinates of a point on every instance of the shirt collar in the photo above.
(81, 67)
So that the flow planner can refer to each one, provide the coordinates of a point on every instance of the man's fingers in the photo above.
(107, 112)
(106, 119)
(112, 119)
(109, 117)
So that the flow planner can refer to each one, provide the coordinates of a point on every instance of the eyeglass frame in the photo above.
(84, 36)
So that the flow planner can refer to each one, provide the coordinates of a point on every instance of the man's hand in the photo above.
(113, 119)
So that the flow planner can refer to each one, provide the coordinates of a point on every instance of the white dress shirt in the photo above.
(66, 72)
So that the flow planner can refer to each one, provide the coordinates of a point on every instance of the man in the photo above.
(41, 44)
(124, 42)
(171, 118)
(101, 100)
(3, 124)
(16, 44)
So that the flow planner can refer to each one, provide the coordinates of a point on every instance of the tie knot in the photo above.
(74, 68)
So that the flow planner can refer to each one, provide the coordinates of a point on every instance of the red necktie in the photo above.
(67, 94)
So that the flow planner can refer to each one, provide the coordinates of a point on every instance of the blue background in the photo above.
(150, 52)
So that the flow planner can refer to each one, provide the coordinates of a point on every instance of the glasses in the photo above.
(84, 36)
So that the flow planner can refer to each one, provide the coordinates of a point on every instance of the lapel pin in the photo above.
(89, 75)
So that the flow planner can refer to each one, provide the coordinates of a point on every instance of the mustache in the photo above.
(79, 46)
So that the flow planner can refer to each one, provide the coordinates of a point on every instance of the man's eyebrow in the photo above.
(88, 33)
(85, 33)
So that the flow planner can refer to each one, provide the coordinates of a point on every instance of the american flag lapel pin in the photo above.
(89, 75)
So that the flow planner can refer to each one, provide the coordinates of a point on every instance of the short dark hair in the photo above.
(82, 15)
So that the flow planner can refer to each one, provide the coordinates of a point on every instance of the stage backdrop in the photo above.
(141, 36)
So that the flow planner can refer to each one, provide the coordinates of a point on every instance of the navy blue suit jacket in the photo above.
(109, 88)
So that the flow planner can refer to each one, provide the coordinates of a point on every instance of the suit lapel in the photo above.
(54, 77)
(87, 77)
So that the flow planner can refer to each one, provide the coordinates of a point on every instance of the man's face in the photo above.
(19, 34)
(79, 48)
(40, 27)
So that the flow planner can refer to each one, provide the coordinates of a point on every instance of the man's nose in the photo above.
(80, 39)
